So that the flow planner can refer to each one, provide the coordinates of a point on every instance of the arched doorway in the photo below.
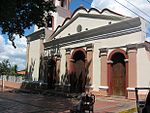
(78, 77)
(117, 73)
(51, 73)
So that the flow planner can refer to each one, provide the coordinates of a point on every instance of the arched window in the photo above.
(62, 3)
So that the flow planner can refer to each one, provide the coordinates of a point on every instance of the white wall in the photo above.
(89, 23)
(96, 67)
(143, 68)
(118, 42)
(63, 62)
(122, 40)
(34, 56)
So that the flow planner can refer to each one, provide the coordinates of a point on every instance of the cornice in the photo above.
(36, 35)
(76, 14)
(108, 31)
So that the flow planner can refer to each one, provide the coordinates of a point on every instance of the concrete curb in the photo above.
(131, 110)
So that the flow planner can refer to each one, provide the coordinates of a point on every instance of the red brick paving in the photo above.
(54, 104)
(112, 104)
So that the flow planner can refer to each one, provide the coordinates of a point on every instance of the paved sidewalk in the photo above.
(114, 105)
(34, 103)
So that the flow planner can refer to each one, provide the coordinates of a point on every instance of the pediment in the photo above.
(83, 20)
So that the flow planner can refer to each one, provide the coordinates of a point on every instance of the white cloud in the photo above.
(15, 56)
(143, 5)
(113, 5)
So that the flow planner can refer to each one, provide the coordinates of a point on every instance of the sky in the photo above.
(130, 8)
(18, 55)
(15, 56)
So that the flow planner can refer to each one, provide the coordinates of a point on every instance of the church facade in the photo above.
(102, 51)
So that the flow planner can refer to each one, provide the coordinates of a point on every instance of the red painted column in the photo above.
(109, 81)
(104, 71)
(132, 69)
(89, 66)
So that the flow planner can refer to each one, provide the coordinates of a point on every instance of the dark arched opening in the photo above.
(118, 74)
(51, 73)
(78, 77)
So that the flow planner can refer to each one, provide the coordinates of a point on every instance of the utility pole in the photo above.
(3, 86)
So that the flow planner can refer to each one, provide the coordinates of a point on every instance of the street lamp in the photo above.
(141, 96)
(3, 86)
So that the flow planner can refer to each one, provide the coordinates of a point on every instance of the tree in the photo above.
(13, 70)
(17, 15)
(7, 69)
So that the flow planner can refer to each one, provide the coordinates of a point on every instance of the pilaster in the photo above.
(104, 79)
(58, 60)
(132, 69)
(68, 56)
(89, 65)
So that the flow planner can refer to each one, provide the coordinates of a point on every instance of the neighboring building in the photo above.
(104, 51)
(21, 72)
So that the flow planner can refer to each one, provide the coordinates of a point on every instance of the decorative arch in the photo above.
(51, 72)
(76, 50)
(78, 70)
(111, 69)
(118, 50)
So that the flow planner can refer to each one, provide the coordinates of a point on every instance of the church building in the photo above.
(103, 51)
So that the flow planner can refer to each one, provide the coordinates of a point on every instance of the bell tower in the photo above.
(62, 3)
(62, 12)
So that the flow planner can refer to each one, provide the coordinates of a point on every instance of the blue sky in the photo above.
(17, 56)
(77, 3)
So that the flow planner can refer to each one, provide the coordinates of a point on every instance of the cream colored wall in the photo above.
(143, 68)
(89, 23)
(63, 62)
(122, 40)
(55, 14)
(113, 42)
(60, 15)
(57, 2)
(34, 55)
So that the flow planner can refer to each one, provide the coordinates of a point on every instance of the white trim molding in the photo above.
(109, 62)
(126, 60)
(89, 86)
(130, 89)
(103, 87)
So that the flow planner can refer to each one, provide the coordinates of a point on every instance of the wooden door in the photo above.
(51, 73)
(80, 74)
(118, 79)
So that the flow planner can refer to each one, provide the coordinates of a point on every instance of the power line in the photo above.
(148, 1)
(131, 11)
(138, 8)
(135, 14)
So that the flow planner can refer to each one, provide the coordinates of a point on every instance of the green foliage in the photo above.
(19, 75)
(7, 69)
(17, 15)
